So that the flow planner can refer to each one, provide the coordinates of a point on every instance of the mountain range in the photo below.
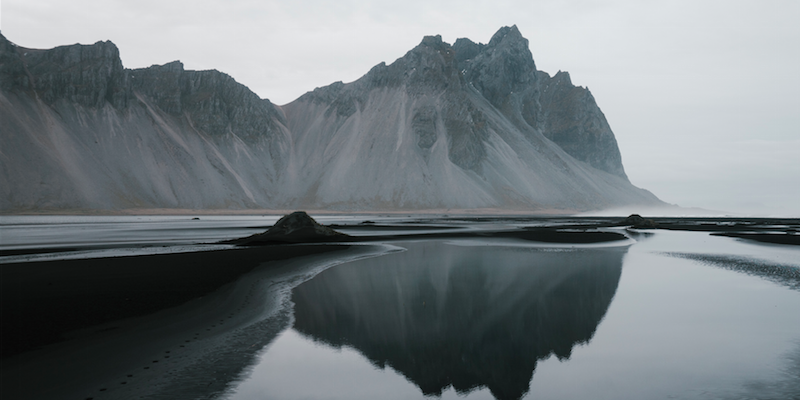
(461, 126)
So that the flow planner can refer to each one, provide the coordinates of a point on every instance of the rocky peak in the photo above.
(503, 66)
(12, 70)
(434, 41)
(102, 52)
(432, 50)
(92, 76)
(573, 121)
(429, 67)
(214, 101)
(504, 72)
(466, 50)
(175, 66)
(561, 78)
(88, 75)
(508, 35)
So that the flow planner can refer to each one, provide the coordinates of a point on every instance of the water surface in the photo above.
(508, 321)
(670, 314)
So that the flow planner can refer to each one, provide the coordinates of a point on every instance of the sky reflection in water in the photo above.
(510, 322)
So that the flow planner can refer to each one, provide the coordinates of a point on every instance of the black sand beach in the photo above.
(42, 301)
(168, 326)
(126, 309)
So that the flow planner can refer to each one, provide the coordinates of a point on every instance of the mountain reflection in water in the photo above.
(469, 317)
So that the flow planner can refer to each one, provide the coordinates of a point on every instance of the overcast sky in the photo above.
(703, 96)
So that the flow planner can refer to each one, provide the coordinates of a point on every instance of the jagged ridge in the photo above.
(469, 125)
(81, 132)
(462, 126)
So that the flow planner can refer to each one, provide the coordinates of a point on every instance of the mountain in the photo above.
(81, 132)
(464, 126)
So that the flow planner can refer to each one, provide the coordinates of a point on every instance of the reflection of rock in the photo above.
(463, 316)
(297, 227)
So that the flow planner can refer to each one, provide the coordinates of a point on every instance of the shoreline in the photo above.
(202, 344)
(279, 212)
(43, 300)
(165, 324)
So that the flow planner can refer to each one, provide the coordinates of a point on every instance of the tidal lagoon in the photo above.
(475, 309)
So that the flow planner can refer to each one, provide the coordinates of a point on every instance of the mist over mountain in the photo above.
(459, 126)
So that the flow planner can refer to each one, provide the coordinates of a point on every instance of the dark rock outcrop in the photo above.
(297, 227)
(88, 75)
(637, 221)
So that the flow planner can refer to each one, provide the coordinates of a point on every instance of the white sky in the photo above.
(703, 95)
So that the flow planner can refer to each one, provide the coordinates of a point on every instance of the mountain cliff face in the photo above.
(80, 132)
(504, 72)
(462, 126)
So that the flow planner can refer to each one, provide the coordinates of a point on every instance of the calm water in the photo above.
(506, 320)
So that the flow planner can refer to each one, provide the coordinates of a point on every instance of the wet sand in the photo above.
(782, 274)
(191, 349)
(43, 300)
